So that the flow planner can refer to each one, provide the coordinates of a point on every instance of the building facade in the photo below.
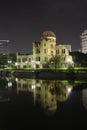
(43, 51)
(84, 42)
(68, 47)
(4, 46)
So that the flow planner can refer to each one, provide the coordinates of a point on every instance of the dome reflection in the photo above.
(47, 93)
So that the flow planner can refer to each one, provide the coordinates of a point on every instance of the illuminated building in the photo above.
(84, 42)
(24, 61)
(43, 51)
(4, 46)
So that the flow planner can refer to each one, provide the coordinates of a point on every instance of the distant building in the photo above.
(4, 46)
(68, 47)
(43, 51)
(84, 42)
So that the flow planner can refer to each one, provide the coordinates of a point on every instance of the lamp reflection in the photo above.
(46, 93)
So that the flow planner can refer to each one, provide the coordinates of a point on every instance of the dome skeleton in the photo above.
(48, 33)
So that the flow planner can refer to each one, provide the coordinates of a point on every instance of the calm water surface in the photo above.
(47, 103)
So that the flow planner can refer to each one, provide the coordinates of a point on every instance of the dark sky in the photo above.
(22, 22)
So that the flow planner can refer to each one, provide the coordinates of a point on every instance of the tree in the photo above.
(79, 58)
(3, 59)
(12, 57)
(56, 62)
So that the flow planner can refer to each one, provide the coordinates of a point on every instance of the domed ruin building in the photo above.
(43, 51)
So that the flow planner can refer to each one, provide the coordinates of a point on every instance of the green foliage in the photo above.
(58, 88)
(56, 62)
(3, 83)
(79, 58)
(12, 57)
(3, 59)
(70, 68)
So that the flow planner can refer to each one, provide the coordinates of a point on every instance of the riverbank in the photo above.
(45, 74)
(51, 75)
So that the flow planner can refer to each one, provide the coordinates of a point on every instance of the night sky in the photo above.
(23, 22)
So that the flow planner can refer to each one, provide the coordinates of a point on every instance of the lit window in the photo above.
(37, 58)
(37, 51)
(19, 60)
(51, 53)
(63, 51)
(57, 51)
(51, 45)
(24, 59)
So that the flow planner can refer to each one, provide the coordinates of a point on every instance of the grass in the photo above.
(47, 69)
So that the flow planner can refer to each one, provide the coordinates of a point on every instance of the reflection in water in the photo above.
(63, 90)
(42, 102)
(6, 88)
(45, 92)
(84, 97)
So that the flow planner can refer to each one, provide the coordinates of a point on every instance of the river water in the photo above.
(42, 103)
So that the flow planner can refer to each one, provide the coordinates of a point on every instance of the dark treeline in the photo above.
(79, 58)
